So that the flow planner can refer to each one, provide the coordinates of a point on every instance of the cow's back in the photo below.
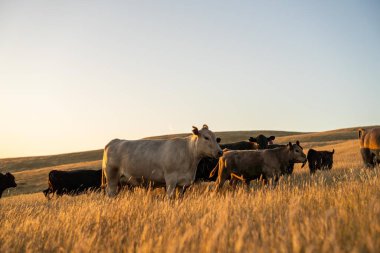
(241, 145)
(372, 139)
(148, 159)
(75, 181)
(245, 162)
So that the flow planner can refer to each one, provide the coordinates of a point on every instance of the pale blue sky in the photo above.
(76, 74)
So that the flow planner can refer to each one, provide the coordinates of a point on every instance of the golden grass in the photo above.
(331, 211)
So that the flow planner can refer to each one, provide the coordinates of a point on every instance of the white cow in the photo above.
(170, 162)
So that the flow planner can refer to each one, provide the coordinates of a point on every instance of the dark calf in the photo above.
(6, 181)
(73, 182)
(320, 160)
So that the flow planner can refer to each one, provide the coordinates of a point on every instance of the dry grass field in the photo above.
(331, 211)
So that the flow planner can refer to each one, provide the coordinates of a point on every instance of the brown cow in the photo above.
(370, 146)
(248, 165)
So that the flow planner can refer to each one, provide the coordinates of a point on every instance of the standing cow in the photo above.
(370, 146)
(290, 168)
(6, 181)
(72, 182)
(262, 141)
(319, 160)
(206, 165)
(172, 163)
(247, 165)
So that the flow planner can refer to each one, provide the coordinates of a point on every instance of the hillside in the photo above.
(31, 172)
(331, 211)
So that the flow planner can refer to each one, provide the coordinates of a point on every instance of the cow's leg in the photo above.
(276, 178)
(312, 167)
(233, 183)
(171, 185)
(59, 192)
(247, 183)
(112, 181)
(319, 164)
(235, 179)
(375, 159)
(263, 180)
(182, 190)
(47, 193)
(367, 157)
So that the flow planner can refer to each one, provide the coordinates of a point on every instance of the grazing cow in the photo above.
(73, 182)
(370, 146)
(262, 141)
(172, 162)
(247, 165)
(319, 160)
(6, 181)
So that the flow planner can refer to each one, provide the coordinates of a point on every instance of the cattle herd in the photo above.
(178, 163)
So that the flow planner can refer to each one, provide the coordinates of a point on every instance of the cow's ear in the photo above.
(205, 126)
(290, 145)
(271, 138)
(299, 144)
(195, 130)
(251, 139)
(218, 140)
(333, 151)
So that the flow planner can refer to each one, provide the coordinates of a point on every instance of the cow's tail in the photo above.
(212, 173)
(104, 166)
(50, 189)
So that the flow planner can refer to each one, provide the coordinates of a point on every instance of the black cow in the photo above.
(320, 160)
(240, 145)
(206, 165)
(6, 181)
(262, 141)
(73, 182)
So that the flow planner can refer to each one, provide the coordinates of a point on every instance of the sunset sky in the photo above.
(76, 74)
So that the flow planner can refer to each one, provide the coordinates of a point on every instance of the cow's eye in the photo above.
(297, 151)
(207, 138)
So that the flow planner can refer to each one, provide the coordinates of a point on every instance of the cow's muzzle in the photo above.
(219, 154)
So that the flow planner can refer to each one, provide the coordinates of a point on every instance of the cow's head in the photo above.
(361, 134)
(262, 141)
(296, 153)
(9, 180)
(207, 144)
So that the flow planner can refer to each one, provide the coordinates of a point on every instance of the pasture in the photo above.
(331, 211)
